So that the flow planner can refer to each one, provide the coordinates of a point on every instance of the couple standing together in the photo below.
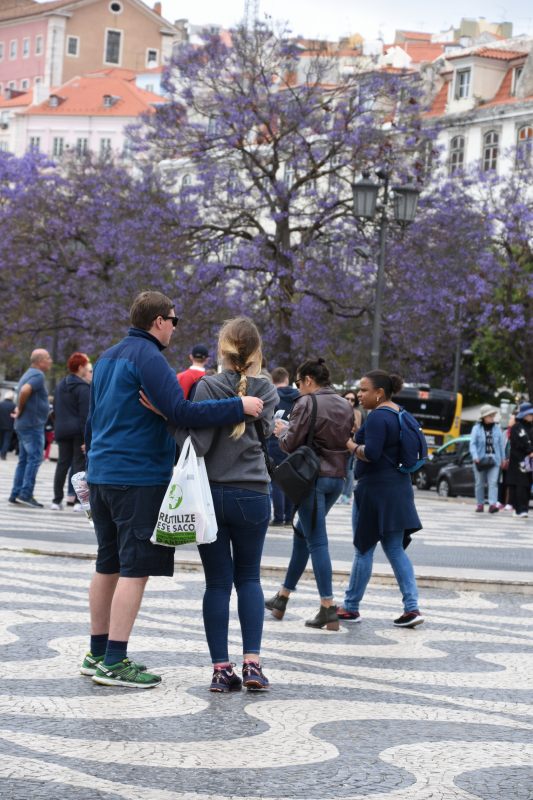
(135, 399)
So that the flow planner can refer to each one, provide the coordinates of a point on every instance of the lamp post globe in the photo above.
(365, 196)
(405, 203)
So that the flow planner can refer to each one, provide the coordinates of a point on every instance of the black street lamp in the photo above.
(365, 197)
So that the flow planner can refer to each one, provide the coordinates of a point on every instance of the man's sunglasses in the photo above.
(175, 320)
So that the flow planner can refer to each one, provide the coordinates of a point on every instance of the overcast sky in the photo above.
(334, 18)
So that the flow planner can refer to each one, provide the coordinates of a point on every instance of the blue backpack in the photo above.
(413, 445)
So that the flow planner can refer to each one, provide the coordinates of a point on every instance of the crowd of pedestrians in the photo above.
(125, 425)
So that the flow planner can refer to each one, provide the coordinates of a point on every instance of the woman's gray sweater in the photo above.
(235, 462)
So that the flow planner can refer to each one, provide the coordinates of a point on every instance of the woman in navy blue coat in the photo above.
(384, 509)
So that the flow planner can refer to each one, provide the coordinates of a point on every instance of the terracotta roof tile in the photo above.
(438, 106)
(85, 97)
(491, 52)
(420, 51)
(419, 35)
(16, 102)
(31, 9)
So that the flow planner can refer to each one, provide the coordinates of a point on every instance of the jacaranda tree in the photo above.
(261, 148)
(78, 242)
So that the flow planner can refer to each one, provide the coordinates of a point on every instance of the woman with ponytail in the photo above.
(384, 507)
(240, 487)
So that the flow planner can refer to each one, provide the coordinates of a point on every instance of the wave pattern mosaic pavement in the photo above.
(443, 712)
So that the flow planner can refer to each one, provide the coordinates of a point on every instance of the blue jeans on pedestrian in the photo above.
(313, 541)
(234, 559)
(347, 489)
(489, 477)
(31, 450)
(392, 544)
(282, 505)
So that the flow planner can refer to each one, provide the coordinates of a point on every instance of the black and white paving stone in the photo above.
(441, 712)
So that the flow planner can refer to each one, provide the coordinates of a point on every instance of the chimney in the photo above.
(157, 8)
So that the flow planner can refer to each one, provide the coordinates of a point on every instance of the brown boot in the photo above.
(326, 618)
(277, 605)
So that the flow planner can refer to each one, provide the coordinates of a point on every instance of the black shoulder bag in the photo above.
(296, 476)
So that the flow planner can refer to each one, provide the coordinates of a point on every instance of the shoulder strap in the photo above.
(311, 431)
(261, 436)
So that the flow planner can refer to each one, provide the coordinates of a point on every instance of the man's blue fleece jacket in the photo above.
(127, 444)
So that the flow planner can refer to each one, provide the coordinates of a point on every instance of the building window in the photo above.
(39, 45)
(35, 143)
(115, 7)
(149, 87)
(524, 145)
(105, 147)
(12, 85)
(25, 84)
(26, 48)
(58, 145)
(1, 89)
(186, 181)
(112, 47)
(82, 147)
(289, 175)
(457, 154)
(517, 72)
(4, 120)
(1, 51)
(490, 151)
(151, 58)
(462, 83)
(13, 49)
(233, 180)
(73, 45)
(37, 81)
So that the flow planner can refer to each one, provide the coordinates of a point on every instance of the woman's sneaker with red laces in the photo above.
(225, 680)
(409, 619)
(349, 616)
(253, 678)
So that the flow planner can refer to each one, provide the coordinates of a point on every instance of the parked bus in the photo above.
(438, 412)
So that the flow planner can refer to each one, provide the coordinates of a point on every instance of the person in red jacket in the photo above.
(190, 376)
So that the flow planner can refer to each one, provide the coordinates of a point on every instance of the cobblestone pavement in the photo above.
(443, 712)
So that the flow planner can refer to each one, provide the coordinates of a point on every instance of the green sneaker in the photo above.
(90, 663)
(125, 673)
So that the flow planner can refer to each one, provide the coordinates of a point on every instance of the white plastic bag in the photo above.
(185, 513)
(211, 528)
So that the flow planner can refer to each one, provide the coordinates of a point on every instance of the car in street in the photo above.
(457, 477)
(448, 453)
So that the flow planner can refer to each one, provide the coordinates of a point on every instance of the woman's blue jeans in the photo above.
(489, 477)
(392, 544)
(234, 559)
(313, 541)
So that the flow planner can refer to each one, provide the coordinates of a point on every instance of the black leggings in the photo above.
(519, 497)
(70, 455)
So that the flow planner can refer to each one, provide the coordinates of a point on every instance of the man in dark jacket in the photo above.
(130, 457)
(7, 406)
(71, 409)
(287, 395)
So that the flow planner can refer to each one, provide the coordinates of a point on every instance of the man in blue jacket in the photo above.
(130, 461)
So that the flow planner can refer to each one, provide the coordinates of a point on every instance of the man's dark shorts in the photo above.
(124, 519)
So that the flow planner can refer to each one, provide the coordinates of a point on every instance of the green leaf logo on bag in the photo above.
(175, 497)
